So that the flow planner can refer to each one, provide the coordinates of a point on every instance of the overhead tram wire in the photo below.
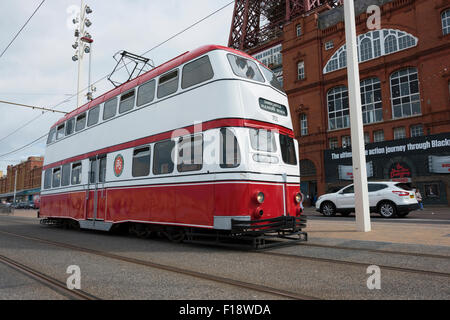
(25, 146)
(17, 34)
(105, 77)
(32, 107)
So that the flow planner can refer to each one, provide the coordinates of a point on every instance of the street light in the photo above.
(84, 42)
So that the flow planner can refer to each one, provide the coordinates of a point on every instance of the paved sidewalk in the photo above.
(397, 232)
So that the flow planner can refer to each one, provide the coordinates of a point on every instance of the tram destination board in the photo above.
(273, 107)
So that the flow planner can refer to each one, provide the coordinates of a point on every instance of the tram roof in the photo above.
(169, 65)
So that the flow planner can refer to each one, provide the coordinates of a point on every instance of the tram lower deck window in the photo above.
(288, 149)
(190, 154)
(76, 173)
(65, 181)
(162, 159)
(56, 180)
(141, 162)
(263, 140)
(48, 179)
(230, 155)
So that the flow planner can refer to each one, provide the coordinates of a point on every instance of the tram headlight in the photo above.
(298, 197)
(260, 197)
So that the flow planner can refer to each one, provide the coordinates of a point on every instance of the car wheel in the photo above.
(387, 209)
(328, 209)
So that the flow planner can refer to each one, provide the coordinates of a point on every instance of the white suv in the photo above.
(389, 199)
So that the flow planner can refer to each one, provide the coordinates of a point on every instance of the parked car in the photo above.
(389, 199)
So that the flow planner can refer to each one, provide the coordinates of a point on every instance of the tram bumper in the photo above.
(283, 225)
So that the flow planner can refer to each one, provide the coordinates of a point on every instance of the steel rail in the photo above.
(48, 281)
(404, 253)
(357, 264)
(196, 274)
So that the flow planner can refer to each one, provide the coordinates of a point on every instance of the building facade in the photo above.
(27, 182)
(405, 93)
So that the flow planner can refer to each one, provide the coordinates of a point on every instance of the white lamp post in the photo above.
(82, 45)
(356, 124)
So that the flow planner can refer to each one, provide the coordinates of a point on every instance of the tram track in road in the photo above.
(403, 253)
(178, 270)
(46, 280)
(358, 264)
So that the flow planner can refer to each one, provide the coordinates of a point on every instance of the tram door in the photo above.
(96, 193)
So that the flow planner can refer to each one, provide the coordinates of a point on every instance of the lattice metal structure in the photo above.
(258, 21)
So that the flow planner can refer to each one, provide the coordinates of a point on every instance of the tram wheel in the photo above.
(175, 234)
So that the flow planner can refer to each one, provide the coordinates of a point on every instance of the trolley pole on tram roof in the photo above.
(362, 211)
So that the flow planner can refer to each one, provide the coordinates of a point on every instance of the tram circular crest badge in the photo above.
(118, 165)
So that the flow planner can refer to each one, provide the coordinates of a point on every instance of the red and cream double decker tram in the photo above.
(202, 144)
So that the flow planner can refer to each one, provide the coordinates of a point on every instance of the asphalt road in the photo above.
(429, 213)
(112, 279)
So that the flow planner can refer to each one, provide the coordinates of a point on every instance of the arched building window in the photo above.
(445, 18)
(377, 43)
(405, 94)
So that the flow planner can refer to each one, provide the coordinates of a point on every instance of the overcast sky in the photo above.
(38, 70)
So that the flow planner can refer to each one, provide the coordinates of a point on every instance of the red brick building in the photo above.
(405, 89)
(28, 182)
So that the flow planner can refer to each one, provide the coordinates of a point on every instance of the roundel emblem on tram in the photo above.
(118, 165)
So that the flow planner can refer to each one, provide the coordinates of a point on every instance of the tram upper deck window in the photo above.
(162, 159)
(70, 126)
(93, 116)
(48, 179)
(51, 135)
(81, 122)
(272, 78)
(141, 162)
(168, 84)
(126, 101)
(60, 131)
(197, 72)
(230, 155)
(263, 140)
(56, 180)
(288, 149)
(76, 173)
(110, 109)
(190, 154)
(146, 93)
(245, 68)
